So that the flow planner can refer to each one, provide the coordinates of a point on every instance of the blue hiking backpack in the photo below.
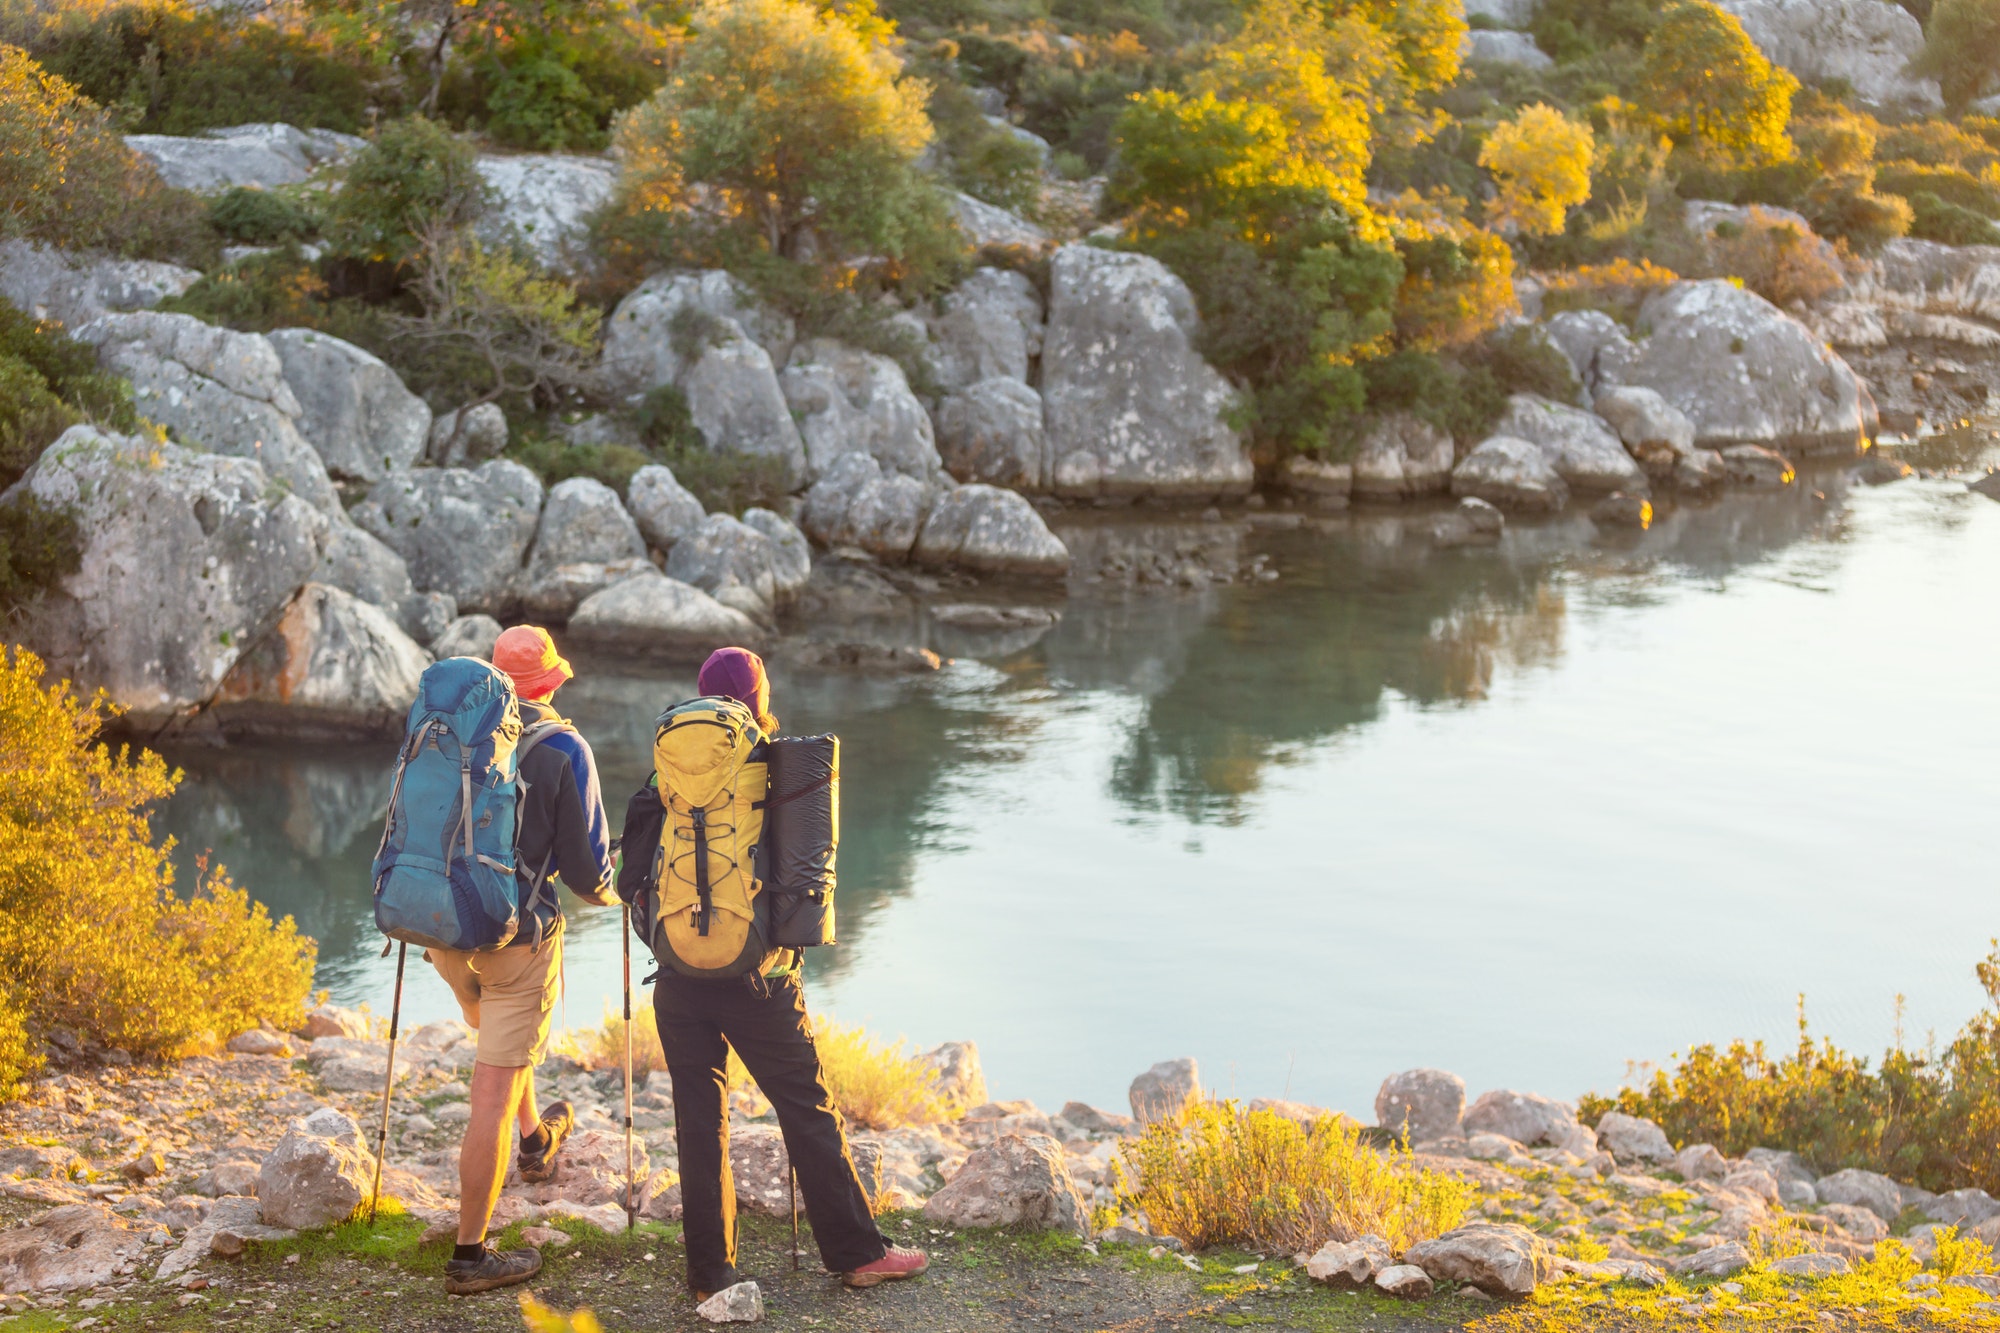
(445, 874)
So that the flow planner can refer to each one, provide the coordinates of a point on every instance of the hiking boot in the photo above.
(557, 1122)
(494, 1268)
(898, 1263)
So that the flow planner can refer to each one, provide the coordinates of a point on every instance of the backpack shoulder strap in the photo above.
(531, 736)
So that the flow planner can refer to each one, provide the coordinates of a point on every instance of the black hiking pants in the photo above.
(768, 1028)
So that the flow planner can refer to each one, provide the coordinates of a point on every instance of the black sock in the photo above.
(537, 1142)
(476, 1250)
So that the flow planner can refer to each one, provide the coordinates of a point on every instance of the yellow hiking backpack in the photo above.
(711, 916)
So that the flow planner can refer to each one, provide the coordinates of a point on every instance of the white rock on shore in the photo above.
(188, 560)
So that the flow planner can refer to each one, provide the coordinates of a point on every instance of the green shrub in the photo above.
(1219, 1175)
(67, 178)
(1462, 400)
(796, 122)
(1710, 89)
(48, 383)
(724, 483)
(93, 937)
(1933, 219)
(1570, 30)
(262, 217)
(1962, 48)
(414, 177)
(1936, 143)
(1933, 1119)
(984, 160)
(173, 70)
(1849, 208)
(1952, 185)
(38, 546)
(554, 459)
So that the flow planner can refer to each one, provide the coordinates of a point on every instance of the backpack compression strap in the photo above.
(701, 885)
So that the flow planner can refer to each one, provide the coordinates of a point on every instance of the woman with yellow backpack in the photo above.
(726, 910)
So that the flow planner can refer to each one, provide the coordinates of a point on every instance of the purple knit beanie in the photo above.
(738, 673)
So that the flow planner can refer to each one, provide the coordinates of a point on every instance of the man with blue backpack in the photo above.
(496, 796)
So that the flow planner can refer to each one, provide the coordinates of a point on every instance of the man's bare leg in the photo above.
(496, 1099)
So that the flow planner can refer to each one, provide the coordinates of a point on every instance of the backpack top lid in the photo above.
(474, 699)
(701, 745)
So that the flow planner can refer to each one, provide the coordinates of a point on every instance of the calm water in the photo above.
(1526, 814)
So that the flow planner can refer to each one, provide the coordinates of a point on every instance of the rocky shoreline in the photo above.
(313, 533)
(119, 1177)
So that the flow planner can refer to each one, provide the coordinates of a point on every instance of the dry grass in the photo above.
(1218, 1174)
(876, 1084)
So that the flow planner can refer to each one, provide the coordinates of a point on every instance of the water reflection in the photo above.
(1173, 710)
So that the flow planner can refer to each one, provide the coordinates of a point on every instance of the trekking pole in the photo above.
(793, 1172)
(388, 1082)
(631, 1180)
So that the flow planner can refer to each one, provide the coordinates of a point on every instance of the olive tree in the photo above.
(789, 122)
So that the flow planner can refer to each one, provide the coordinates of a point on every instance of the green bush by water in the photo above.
(1925, 1116)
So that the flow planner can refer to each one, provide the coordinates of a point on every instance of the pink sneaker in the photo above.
(898, 1263)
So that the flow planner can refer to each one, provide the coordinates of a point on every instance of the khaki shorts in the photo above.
(508, 996)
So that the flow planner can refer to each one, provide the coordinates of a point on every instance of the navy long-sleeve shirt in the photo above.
(563, 825)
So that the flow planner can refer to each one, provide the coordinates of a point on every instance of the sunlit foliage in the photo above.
(1933, 1118)
(1708, 87)
(93, 937)
(797, 125)
(1540, 162)
(1219, 1175)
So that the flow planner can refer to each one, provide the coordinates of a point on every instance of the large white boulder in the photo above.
(333, 668)
(651, 612)
(850, 401)
(651, 337)
(1491, 47)
(791, 553)
(214, 388)
(1512, 473)
(985, 224)
(319, 1173)
(731, 562)
(583, 519)
(1017, 1180)
(1426, 1104)
(992, 432)
(990, 324)
(703, 334)
(1584, 451)
(544, 200)
(855, 503)
(356, 561)
(257, 156)
(993, 530)
(1500, 1259)
(463, 532)
(1162, 1091)
(1525, 1117)
(352, 407)
(1129, 405)
(665, 510)
(188, 559)
(1937, 279)
(1742, 370)
(1866, 44)
(1402, 457)
(73, 289)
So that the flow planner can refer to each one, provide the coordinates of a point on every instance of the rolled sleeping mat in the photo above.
(802, 838)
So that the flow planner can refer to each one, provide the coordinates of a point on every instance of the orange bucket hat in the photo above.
(529, 657)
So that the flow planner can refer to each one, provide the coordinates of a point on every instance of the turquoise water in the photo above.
(1527, 813)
